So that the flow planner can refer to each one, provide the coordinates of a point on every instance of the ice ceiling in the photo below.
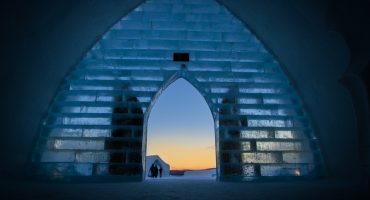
(96, 125)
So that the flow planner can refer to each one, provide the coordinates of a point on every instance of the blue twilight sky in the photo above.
(181, 128)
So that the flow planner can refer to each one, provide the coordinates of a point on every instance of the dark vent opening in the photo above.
(181, 57)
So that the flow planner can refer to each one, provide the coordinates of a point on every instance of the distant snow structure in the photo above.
(156, 160)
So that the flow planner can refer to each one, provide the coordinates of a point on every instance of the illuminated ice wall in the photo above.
(96, 125)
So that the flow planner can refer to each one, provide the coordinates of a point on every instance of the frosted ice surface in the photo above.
(261, 157)
(53, 156)
(284, 170)
(96, 132)
(92, 157)
(78, 144)
(255, 134)
(65, 132)
(298, 157)
(279, 146)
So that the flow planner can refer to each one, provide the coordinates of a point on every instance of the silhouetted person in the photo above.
(160, 172)
(155, 171)
(151, 171)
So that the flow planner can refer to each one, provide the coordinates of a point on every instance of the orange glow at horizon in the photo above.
(185, 156)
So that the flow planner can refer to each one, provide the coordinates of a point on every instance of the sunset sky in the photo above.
(181, 128)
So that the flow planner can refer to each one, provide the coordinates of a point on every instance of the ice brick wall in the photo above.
(95, 126)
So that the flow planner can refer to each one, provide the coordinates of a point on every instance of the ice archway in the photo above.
(180, 128)
(95, 126)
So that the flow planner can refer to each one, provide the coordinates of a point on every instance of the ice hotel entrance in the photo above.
(95, 127)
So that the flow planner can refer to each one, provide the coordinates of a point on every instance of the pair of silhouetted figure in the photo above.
(154, 170)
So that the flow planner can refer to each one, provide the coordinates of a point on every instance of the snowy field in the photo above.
(195, 184)
(209, 174)
(188, 189)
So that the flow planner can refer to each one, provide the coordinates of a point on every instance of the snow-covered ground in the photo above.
(208, 174)
(203, 174)
(189, 189)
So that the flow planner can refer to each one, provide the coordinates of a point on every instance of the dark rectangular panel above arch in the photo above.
(181, 57)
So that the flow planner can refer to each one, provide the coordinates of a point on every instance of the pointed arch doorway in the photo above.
(180, 131)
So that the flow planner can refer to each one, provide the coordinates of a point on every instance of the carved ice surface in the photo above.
(95, 125)
(96, 133)
(78, 144)
(279, 146)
